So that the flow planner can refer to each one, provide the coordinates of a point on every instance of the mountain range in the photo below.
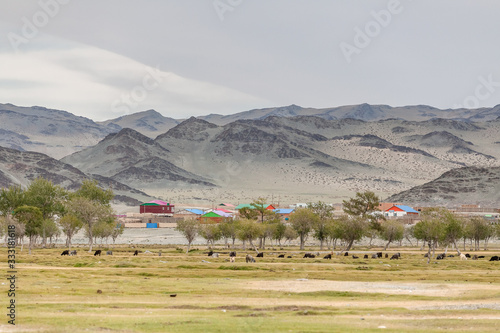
(291, 154)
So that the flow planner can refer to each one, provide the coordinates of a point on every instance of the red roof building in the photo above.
(157, 207)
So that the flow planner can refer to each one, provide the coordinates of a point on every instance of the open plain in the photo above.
(179, 292)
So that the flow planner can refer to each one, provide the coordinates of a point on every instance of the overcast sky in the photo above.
(103, 59)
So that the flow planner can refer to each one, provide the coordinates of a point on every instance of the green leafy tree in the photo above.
(211, 232)
(454, 228)
(249, 231)
(391, 231)
(90, 213)
(70, 225)
(118, 230)
(279, 232)
(31, 218)
(351, 229)
(302, 220)
(91, 190)
(324, 213)
(479, 229)
(229, 230)
(10, 199)
(430, 230)
(248, 213)
(189, 228)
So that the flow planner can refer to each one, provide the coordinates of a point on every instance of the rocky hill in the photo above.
(21, 167)
(134, 159)
(464, 185)
(150, 123)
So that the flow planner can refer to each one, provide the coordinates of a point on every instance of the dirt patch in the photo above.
(394, 288)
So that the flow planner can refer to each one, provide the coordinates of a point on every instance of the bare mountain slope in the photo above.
(53, 132)
(150, 123)
(19, 168)
(134, 159)
(457, 186)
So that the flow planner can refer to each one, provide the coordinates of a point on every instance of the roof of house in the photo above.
(227, 205)
(211, 214)
(156, 203)
(224, 210)
(240, 206)
(195, 211)
(404, 208)
(222, 213)
(283, 210)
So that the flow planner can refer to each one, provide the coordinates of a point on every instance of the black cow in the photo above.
(136, 252)
(396, 256)
(480, 257)
(451, 256)
(328, 256)
(355, 257)
(467, 255)
(346, 254)
(97, 253)
(441, 256)
(379, 254)
(365, 256)
(386, 255)
(495, 258)
(232, 254)
(289, 257)
(210, 253)
(260, 255)
(65, 253)
(281, 256)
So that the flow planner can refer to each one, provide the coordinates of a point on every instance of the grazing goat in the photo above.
(462, 256)
(451, 256)
(109, 253)
(365, 256)
(474, 257)
(232, 259)
(97, 253)
(467, 255)
(210, 253)
(346, 254)
(328, 256)
(281, 256)
(65, 253)
(72, 253)
(232, 254)
(375, 256)
(386, 256)
(289, 257)
(260, 255)
(249, 258)
(396, 256)
(309, 255)
(441, 256)
(136, 252)
(215, 255)
(379, 254)
(355, 257)
(495, 258)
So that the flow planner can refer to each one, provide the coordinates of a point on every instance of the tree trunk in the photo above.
(350, 245)
(302, 241)
(429, 252)
(456, 247)
(321, 244)
(387, 245)
(189, 245)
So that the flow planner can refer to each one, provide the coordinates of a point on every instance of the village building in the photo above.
(400, 211)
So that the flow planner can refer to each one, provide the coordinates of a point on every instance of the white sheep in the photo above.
(462, 256)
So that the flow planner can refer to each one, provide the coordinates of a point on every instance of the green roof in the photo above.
(211, 214)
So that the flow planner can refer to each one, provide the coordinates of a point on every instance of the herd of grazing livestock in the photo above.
(250, 259)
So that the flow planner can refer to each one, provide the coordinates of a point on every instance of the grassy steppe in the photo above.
(123, 293)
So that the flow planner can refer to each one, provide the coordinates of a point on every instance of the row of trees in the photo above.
(43, 210)
(438, 227)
